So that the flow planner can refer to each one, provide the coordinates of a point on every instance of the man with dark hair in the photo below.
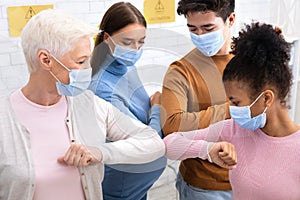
(193, 94)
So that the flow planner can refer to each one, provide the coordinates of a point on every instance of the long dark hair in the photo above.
(118, 16)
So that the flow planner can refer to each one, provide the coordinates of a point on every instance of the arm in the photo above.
(154, 119)
(105, 90)
(192, 144)
(134, 142)
(177, 100)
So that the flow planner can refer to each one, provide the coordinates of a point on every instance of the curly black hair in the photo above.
(222, 8)
(261, 60)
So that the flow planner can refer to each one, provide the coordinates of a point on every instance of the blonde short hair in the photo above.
(54, 31)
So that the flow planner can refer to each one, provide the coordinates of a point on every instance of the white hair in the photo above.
(53, 31)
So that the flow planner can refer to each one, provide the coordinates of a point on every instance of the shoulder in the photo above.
(226, 128)
(89, 97)
(89, 102)
(4, 103)
(192, 60)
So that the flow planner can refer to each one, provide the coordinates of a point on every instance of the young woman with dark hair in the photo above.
(260, 144)
(115, 79)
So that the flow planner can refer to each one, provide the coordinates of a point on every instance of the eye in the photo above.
(235, 103)
(126, 43)
(209, 30)
(193, 30)
(81, 62)
(141, 42)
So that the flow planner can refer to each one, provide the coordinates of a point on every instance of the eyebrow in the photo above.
(131, 39)
(230, 98)
(82, 57)
(203, 26)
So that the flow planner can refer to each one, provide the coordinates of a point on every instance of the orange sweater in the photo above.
(193, 97)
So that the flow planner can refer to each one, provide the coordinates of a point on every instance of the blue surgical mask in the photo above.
(126, 56)
(79, 81)
(242, 116)
(209, 43)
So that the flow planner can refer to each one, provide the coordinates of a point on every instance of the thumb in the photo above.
(61, 160)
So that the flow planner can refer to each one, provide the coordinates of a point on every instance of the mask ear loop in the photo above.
(61, 65)
(110, 48)
(265, 109)
(256, 99)
(54, 76)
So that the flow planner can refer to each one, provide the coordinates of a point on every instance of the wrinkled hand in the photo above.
(80, 155)
(155, 98)
(223, 154)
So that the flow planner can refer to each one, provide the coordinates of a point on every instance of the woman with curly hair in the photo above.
(261, 133)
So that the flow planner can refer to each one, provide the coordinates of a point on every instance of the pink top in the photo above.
(268, 168)
(49, 140)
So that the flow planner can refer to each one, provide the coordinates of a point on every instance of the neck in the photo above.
(280, 124)
(41, 90)
(225, 50)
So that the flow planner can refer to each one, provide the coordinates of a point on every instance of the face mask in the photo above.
(126, 56)
(79, 81)
(210, 43)
(242, 116)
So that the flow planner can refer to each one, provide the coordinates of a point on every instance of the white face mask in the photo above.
(126, 56)
(80, 80)
(209, 43)
(242, 116)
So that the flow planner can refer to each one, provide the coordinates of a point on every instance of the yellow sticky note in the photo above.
(159, 11)
(18, 16)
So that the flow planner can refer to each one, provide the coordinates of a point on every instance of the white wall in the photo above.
(165, 42)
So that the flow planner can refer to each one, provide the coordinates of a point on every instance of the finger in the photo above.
(229, 161)
(71, 157)
(61, 160)
(65, 159)
(233, 154)
(77, 159)
(78, 153)
(86, 160)
(228, 157)
(68, 153)
(221, 163)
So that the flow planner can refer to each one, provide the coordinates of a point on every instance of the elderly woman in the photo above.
(53, 131)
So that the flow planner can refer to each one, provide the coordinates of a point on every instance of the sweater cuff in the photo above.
(105, 154)
(155, 110)
(208, 148)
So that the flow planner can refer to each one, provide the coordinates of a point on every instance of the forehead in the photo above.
(237, 90)
(203, 18)
(130, 31)
(82, 47)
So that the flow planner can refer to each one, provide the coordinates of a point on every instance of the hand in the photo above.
(80, 155)
(155, 98)
(223, 154)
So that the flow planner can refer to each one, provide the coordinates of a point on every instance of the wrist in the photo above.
(208, 149)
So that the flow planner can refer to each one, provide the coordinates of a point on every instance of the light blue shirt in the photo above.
(121, 86)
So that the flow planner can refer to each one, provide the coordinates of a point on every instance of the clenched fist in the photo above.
(81, 155)
(223, 154)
